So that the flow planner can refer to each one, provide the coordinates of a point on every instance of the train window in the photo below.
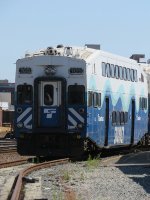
(144, 103)
(48, 95)
(24, 94)
(122, 121)
(114, 117)
(96, 99)
(118, 118)
(124, 73)
(108, 70)
(76, 94)
(90, 95)
(99, 99)
(120, 73)
(140, 102)
(142, 78)
(135, 75)
(128, 74)
(131, 75)
(116, 71)
(112, 70)
(125, 117)
(94, 69)
(103, 69)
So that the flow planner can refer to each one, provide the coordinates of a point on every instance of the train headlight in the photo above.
(81, 110)
(80, 126)
(19, 110)
(20, 125)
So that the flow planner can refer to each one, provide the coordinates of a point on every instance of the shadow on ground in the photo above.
(139, 174)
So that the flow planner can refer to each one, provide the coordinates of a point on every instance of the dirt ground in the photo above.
(4, 131)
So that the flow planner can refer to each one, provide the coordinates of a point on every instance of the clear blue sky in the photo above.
(120, 26)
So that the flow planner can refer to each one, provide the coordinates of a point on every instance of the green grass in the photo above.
(92, 162)
(66, 176)
(57, 196)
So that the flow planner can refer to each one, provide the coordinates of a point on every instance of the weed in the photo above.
(66, 176)
(57, 195)
(82, 177)
(92, 162)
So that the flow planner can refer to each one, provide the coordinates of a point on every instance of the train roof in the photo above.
(84, 53)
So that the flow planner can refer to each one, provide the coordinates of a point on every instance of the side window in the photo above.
(128, 74)
(131, 75)
(48, 94)
(135, 76)
(76, 94)
(120, 73)
(143, 103)
(24, 94)
(96, 99)
(124, 73)
(118, 118)
(112, 70)
(140, 102)
(90, 95)
(99, 99)
(142, 78)
(125, 117)
(108, 70)
(122, 121)
(114, 118)
(103, 69)
(116, 71)
(94, 69)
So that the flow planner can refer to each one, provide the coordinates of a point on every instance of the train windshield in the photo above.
(24, 94)
(48, 94)
(76, 94)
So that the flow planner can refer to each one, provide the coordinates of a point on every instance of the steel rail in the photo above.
(19, 182)
(7, 146)
(13, 163)
(10, 150)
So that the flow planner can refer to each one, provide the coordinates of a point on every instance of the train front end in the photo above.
(50, 110)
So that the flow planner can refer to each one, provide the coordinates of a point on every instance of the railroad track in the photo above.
(13, 163)
(21, 179)
(8, 146)
(18, 183)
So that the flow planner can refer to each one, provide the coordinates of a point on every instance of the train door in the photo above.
(132, 120)
(106, 121)
(49, 105)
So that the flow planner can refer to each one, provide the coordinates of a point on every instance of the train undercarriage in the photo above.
(61, 145)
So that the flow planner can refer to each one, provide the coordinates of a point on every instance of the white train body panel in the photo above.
(97, 96)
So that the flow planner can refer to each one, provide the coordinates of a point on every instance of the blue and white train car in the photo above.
(75, 99)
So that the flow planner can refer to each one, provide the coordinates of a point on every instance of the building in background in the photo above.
(7, 95)
(6, 103)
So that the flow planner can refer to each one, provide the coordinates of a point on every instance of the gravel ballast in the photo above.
(83, 182)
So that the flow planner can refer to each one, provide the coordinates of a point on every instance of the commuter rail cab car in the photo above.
(74, 99)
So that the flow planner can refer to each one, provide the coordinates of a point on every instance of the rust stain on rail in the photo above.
(13, 163)
(18, 186)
